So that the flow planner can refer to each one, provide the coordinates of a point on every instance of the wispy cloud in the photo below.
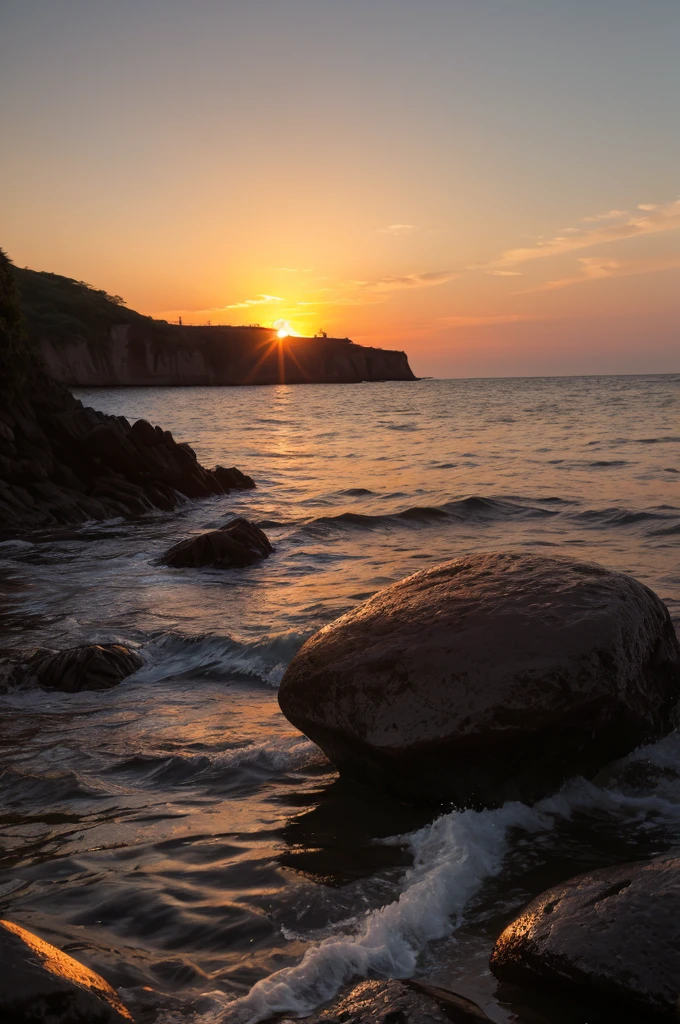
(609, 215)
(483, 320)
(260, 300)
(426, 280)
(505, 273)
(397, 229)
(650, 219)
(371, 291)
(594, 268)
(294, 270)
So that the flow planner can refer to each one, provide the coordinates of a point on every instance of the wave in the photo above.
(472, 509)
(275, 756)
(21, 788)
(173, 656)
(616, 516)
(453, 858)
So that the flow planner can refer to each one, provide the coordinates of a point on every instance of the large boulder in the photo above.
(91, 667)
(612, 933)
(39, 983)
(488, 678)
(237, 544)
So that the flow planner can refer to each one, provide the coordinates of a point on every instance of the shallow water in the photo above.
(176, 832)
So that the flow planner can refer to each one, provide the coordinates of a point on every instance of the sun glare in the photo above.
(283, 328)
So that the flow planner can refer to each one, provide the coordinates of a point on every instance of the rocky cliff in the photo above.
(133, 354)
(62, 463)
(86, 337)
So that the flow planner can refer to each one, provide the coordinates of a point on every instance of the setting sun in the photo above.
(283, 328)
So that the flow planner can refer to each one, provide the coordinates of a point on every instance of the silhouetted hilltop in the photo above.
(87, 337)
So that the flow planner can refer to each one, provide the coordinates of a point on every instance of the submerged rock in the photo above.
(93, 667)
(232, 478)
(489, 678)
(237, 544)
(40, 983)
(612, 933)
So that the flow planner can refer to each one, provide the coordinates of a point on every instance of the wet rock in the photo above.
(6, 433)
(489, 678)
(39, 983)
(93, 667)
(143, 433)
(611, 933)
(232, 478)
(396, 1002)
(237, 544)
(53, 446)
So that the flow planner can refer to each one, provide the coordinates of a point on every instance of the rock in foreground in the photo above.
(237, 544)
(40, 983)
(612, 933)
(93, 667)
(396, 1002)
(489, 678)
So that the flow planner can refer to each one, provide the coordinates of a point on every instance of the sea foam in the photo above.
(453, 857)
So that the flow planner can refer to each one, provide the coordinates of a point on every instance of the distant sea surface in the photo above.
(176, 832)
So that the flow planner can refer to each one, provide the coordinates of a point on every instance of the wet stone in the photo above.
(238, 544)
(39, 984)
(489, 678)
(610, 934)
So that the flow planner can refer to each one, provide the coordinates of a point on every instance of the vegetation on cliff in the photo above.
(14, 350)
(61, 307)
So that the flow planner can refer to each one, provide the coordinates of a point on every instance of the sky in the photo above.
(491, 185)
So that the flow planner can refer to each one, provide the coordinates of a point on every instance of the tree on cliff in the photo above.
(15, 357)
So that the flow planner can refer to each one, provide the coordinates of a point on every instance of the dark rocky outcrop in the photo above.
(92, 667)
(63, 463)
(237, 544)
(39, 983)
(488, 678)
(612, 933)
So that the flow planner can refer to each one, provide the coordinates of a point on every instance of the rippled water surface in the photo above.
(176, 832)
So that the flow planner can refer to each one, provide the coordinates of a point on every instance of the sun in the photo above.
(283, 328)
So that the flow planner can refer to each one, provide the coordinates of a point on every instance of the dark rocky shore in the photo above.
(64, 463)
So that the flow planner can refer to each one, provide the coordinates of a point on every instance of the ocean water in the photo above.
(176, 832)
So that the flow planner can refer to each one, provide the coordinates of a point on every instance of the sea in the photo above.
(176, 833)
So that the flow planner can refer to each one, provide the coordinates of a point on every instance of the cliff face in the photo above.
(86, 337)
(149, 354)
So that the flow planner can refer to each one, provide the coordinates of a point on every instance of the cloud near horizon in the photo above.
(484, 320)
(397, 229)
(260, 300)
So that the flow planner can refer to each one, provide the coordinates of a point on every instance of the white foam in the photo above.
(452, 858)
(265, 659)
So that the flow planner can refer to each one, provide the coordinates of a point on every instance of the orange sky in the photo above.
(494, 192)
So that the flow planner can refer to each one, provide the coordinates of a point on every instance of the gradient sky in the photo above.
(492, 185)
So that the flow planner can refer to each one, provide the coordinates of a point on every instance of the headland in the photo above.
(87, 338)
